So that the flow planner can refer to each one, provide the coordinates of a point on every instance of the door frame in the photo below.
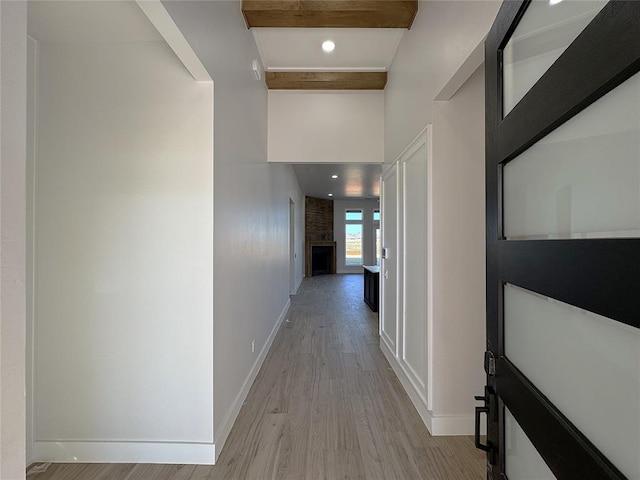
(292, 247)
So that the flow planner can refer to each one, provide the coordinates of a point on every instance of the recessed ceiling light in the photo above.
(554, 2)
(330, 195)
(334, 176)
(328, 46)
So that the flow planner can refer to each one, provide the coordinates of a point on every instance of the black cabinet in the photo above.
(372, 286)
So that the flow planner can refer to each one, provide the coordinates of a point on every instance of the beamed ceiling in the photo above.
(288, 34)
(330, 13)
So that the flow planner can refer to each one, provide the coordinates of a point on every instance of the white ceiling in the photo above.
(357, 49)
(354, 180)
(89, 21)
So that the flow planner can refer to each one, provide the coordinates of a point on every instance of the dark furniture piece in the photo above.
(372, 286)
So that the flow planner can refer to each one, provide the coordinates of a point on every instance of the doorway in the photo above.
(292, 247)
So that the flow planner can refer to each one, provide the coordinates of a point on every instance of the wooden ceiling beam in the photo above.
(326, 80)
(330, 13)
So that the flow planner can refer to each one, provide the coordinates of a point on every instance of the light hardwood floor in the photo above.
(325, 405)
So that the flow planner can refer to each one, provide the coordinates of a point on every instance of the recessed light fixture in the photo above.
(334, 176)
(328, 46)
(554, 2)
(330, 195)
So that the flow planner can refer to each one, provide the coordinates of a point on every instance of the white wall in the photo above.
(443, 35)
(459, 250)
(13, 60)
(123, 256)
(251, 245)
(326, 126)
(368, 232)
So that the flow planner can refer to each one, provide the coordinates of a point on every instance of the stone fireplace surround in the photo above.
(318, 230)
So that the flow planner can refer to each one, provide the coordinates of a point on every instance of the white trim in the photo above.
(454, 425)
(350, 270)
(445, 425)
(30, 375)
(424, 387)
(125, 452)
(416, 382)
(388, 343)
(261, 51)
(464, 72)
(414, 396)
(387, 174)
(165, 25)
(430, 297)
(297, 287)
(230, 417)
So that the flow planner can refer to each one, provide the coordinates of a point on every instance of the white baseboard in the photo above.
(230, 417)
(349, 270)
(438, 425)
(454, 425)
(421, 407)
(156, 452)
(297, 287)
(125, 452)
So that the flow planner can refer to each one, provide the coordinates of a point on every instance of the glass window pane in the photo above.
(353, 215)
(523, 462)
(545, 31)
(585, 364)
(376, 215)
(583, 179)
(353, 244)
(378, 247)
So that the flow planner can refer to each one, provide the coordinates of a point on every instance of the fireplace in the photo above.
(320, 258)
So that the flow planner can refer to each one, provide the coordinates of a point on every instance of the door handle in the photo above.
(480, 411)
(488, 408)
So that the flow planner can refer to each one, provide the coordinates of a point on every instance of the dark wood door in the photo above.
(563, 249)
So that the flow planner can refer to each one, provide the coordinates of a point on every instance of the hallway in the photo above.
(325, 405)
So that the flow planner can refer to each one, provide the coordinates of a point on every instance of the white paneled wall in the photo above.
(415, 279)
(433, 226)
(405, 322)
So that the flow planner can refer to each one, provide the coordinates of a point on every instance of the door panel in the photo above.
(389, 267)
(539, 39)
(415, 247)
(562, 187)
(565, 351)
(563, 184)
(523, 462)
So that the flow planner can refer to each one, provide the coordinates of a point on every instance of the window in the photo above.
(376, 228)
(353, 237)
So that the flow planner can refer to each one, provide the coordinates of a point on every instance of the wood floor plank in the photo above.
(325, 405)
